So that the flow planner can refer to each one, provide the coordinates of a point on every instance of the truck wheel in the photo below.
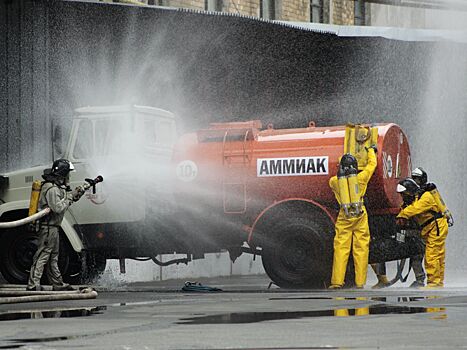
(92, 267)
(297, 252)
(80, 268)
(69, 261)
(17, 249)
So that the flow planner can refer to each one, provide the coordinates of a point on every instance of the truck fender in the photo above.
(16, 205)
(271, 211)
(67, 223)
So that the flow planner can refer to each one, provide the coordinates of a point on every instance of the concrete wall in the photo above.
(409, 17)
(213, 265)
(24, 90)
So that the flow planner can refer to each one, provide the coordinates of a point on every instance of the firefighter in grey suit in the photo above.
(56, 195)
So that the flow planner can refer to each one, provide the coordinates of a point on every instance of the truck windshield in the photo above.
(84, 140)
(111, 137)
(158, 132)
(99, 138)
(119, 136)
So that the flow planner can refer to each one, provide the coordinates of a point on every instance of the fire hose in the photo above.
(90, 183)
(28, 220)
(10, 294)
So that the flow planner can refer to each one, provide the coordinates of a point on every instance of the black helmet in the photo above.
(348, 161)
(408, 186)
(420, 176)
(62, 167)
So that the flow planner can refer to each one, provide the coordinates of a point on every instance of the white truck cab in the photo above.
(130, 146)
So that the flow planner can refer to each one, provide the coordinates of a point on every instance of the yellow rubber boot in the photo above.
(335, 286)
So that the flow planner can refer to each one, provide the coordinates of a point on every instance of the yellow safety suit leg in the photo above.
(362, 311)
(352, 232)
(360, 249)
(435, 252)
(341, 312)
(434, 233)
(355, 233)
(342, 244)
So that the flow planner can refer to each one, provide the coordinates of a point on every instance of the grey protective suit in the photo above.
(416, 262)
(58, 200)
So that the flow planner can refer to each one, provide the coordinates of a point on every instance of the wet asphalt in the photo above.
(244, 315)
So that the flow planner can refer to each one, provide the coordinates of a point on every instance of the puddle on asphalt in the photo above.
(55, 313)
(384, 299)
(253, 317)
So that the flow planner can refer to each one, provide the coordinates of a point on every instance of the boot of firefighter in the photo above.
(416, 263)
(382, 282)
(335, 286)
(418, 283)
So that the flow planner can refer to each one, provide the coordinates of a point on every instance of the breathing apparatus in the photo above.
(442, 207)
(420, 176)
(34, 200)
(347, 181)
(59, 175)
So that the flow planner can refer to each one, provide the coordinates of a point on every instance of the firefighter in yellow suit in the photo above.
(352, 231)
(434, 225)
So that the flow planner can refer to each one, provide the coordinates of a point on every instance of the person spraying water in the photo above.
(55, 195)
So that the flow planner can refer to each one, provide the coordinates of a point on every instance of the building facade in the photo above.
(435, 14)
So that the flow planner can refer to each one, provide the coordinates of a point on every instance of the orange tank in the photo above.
(241, 169)
(236, 183)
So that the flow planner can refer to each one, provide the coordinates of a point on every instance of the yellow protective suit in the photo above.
(434, 234)
(352, 233)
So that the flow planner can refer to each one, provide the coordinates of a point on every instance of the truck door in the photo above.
(105, 147)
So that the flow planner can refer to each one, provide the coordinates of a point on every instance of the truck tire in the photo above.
(69, 261)
(92, 266)
(17, 248)
(297, 251)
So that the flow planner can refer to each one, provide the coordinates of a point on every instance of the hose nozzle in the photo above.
(92, 183)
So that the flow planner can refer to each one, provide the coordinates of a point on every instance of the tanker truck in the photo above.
(266, 192)
(230, 187)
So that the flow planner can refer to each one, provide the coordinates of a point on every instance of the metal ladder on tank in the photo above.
(235, 165)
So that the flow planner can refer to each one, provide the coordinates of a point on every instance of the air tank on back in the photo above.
(239, 169)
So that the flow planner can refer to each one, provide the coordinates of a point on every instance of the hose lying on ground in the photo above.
(86, 293)
(198, 287)
(399, 277)
(28, 220)
(16, 293)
